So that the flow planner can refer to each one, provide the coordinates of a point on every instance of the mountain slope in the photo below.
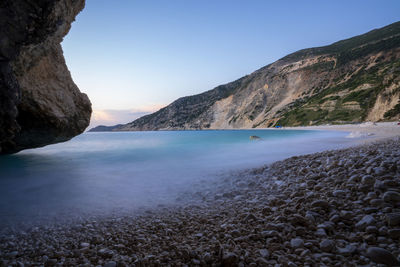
(103, 128)
(353, 80)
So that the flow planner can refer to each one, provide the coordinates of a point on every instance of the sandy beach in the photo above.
(334, 208)
(367, 131)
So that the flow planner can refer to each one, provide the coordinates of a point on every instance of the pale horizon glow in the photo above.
(110, 117)
(128, 55)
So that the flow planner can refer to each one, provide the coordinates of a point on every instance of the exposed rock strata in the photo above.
(353, 80)
(335, 208)
(39, 102)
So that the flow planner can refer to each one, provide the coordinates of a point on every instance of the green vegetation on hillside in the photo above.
(354, 47)
(393, 112)
(313, 111)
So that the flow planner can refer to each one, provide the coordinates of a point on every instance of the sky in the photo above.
(134, 57)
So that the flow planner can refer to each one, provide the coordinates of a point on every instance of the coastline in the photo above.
(367, 132)
(332, 207)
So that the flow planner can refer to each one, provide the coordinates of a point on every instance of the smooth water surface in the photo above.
(97, 173)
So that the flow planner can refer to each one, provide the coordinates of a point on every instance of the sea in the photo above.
(100, 173)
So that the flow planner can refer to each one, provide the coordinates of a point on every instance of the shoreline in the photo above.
(367, 132)
(325, 143)
(363, 133)
(332, 207)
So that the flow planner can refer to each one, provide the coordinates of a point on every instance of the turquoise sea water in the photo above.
(97, 173)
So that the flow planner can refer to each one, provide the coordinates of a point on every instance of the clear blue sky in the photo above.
(137, 55)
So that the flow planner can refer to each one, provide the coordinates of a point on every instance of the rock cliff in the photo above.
(39, 102)
(353, 80)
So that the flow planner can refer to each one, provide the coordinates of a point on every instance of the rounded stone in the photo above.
(297, 243)
(327, 245)
(368, 180)
(380, 255)
(230, 260)
(110, 264)
(393, 219)
(391, 196)
(264, 253)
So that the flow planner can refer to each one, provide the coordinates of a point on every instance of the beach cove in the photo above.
(104, 173)
(334, 207)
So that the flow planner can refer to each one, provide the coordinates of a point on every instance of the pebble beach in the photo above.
(334, 208)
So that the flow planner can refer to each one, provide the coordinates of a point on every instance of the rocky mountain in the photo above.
(39, 102)
(103, 128)
(353, 80)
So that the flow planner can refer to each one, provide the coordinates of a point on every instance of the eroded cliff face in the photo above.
(39, 102)
(353, 80)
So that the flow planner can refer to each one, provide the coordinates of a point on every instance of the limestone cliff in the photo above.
(353, 80)
(39, 102)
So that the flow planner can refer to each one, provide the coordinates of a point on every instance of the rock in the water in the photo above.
(380, 255)
(255, 137)
(39, 102)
